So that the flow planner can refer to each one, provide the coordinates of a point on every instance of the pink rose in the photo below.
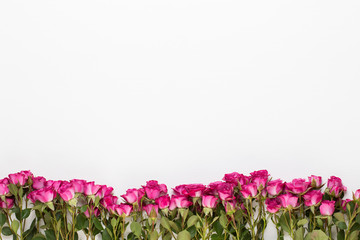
(312, 198)
(78, 184)
(315, 181)
(163, 201)
(123, 209)
(91, 189)
(54, 184)
(43, 195)
(260, 178)
(288, 200)
(275, 187)
(7, 204)
(104, 191)
(27, 173)
(154, 190)
(225, 191)
(344, 203)
(194, 190)
(297, 186)
(273, 205)
(357, 194)
(109, 200)
(236, 178)
(150, 209)
(180, 190)
(67, 192)
(5, 181)
(38, 182)
(133, 195)
(211, 189)
(95, 212)
(209, 201)
(18, 178)
(327, 208)
(230, 207)
(249, 190)
(335, 186)
(179, 202)
(4, 190)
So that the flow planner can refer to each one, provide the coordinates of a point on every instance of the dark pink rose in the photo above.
(151, 210)
(335, 186)
(230, 207)
(43, 195)
(27, 173)
(91, 189)
(133, 195)
(344, 203)
(211, 189)
(7, 204)
(5, 181)
(327, 208)
(236, 178)
(260, 178)
(180, 190)
(249, 190)
(312, 198)
(67, 192)
(315, 181)
(194, 190)
(275, 187)
(154, 190)
(225, 191)
(163, 201)
(123, 209)
(4, 190)
(53, 184)
(109, 200)
(288, 200)
(18, 178)
(179, 202)
(357, 194)
(273, 205)
(209, 201)
(78, 184)
(104, 191)
(95, 212)
(297, 186)
(38, 182)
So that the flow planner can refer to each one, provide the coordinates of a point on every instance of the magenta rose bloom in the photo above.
(179, 202)
(4, 190)
(194, 190)
(357, 194)
(133, 195)
(230, 207)
(327, 208)
(54, 184)
(273, 205)
(312, 198)
(297, 186)
(154, 190)
(260, 178)
(7, 204)
(335, 186)
(315, 181)
(209, 201)
(211, 189)
(225, 191)
(43, 195)
(288, 200)
(123, 209)
(109, 201)
(236, 178)
(344, 203)
(151, 208)
(18, 178)
(249, 190)
(275, 187)
(91, 189)
(38, 183)
(67, 192)
(163, 202)
(96, 212)
(79, 185)
(104, 191)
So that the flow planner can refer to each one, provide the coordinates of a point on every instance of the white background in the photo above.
(121, 92)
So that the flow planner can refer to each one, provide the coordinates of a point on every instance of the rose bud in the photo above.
(249, 190)
(275, 187)
(344, 203)
(236, 179)
(163, 201)
(78, 184)
(297, 186)
(312, 198)
(18, 178)
(230, 207)
(225, 191)
(209, 201)
(91, 189)
(152, 211)
(327, 208)
(7, 204)
(123, 210)
(357, 194)
(288, 200)
(38, 183)
(194, 190)
(4, 190)
(96, 212)
(179, 202)
(315, 181)
(133, 195)
(67, 192)
(335, 186)
(273, 205)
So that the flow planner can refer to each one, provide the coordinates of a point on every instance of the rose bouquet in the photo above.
(238, 207)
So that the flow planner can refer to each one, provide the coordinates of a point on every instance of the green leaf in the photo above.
(6, 231)
(50, 234)
(39, 236)
(83, 208)
(80, 221)
(105, 235)
(2, 219)
(25, 213)
(218, 228)
(97, 223)
(113, 222)
(165, 223)
(184, 235)
(154, 235)
(354, 235)
(341, 225)
(299, 234)
(284, 221)
(341, 235)
(50, 205)
(15, 225)
(223, 221)
(13, 189)
(136, 228)
(302, 222)
(316, 235)
(339, 216)
(192, 220)
(174, 226)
